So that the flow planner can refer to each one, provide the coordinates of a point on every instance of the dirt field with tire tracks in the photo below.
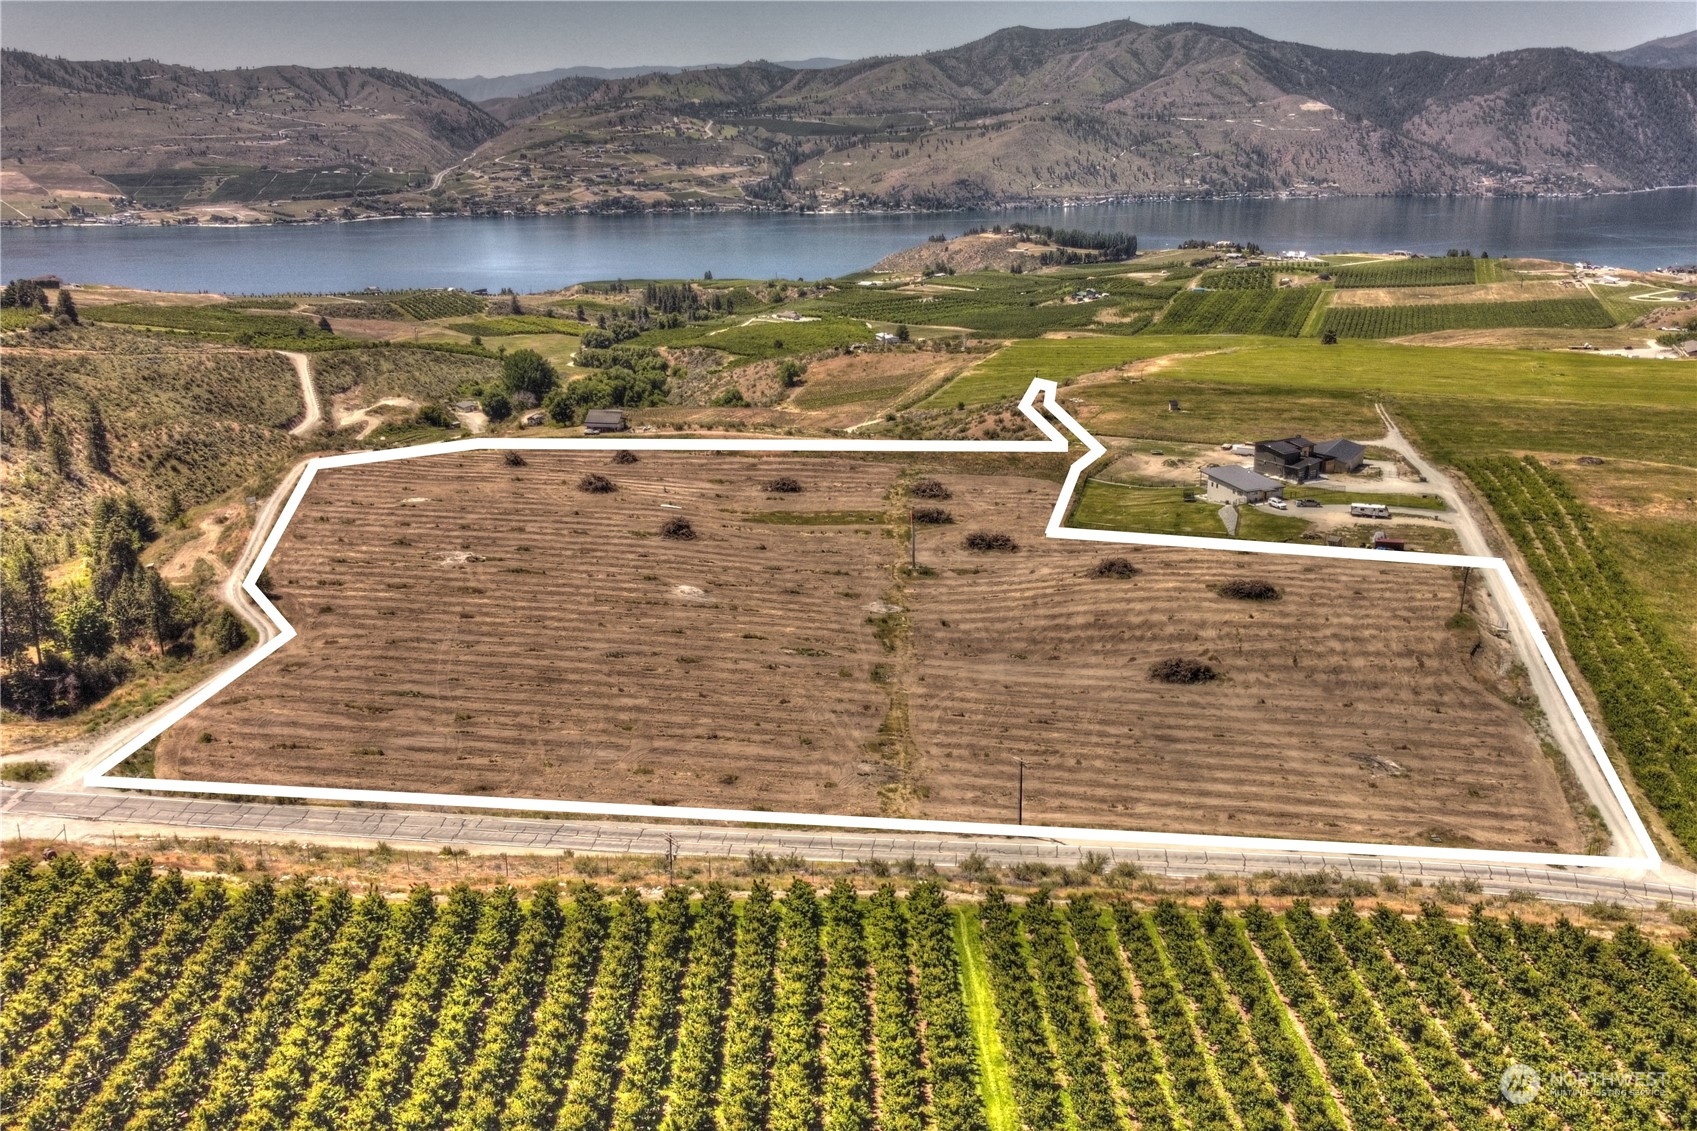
(469, 626)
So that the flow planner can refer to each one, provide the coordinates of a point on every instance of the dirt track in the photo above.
(467, 626)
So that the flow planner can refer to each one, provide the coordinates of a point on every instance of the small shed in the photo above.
(605, 420)
(1231, 484)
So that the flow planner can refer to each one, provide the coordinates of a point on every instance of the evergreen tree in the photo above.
(26, 612)
(99, 444)
(67, 308)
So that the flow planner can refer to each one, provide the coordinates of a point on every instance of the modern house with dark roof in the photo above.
(1341, 455)
(1232, 484)
(1297, 459)
(1291, 458)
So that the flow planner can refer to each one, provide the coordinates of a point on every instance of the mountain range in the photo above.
(480, 89)
(1118, 109)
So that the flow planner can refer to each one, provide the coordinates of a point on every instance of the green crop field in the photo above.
(1449, 271)
(1239, 279)
(426, 305)
(1396, 321)
(145, 1001)
(1275, 313)
(508, 324)
(1646, 686)
(221, 321)
(767, 339)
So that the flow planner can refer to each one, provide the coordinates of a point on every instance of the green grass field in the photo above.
(1155, 510)
(1396, 321)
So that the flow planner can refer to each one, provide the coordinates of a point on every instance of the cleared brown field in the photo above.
(472, 627)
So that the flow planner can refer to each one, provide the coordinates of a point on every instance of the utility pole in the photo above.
(912, 543)
(1466, 576)
(1021, 762)
(671, 857)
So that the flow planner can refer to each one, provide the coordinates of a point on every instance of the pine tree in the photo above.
(24, 603)
(67, 308)
(99, 445)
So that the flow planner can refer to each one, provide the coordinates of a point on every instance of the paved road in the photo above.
(89, 816)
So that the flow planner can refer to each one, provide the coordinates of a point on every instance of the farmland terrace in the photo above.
(471, 626)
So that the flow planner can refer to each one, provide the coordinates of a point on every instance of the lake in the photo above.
(535, 253)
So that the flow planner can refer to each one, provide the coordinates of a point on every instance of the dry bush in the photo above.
(596, 484)
(983, 540)
(1114, 567)
(932, 516)
(1248, 589)
(678, 527)
(511, 458)
(930, 489)
(784, 485)
(1182, 671)
(624, 457)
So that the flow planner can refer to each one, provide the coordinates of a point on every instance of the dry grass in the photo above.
(494, 630)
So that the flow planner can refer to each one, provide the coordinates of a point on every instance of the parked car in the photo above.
(1277, 503)
(1308, 502)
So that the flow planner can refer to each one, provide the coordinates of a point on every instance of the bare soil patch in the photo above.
(468, 627)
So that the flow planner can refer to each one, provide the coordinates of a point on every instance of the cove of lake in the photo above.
(536, 253)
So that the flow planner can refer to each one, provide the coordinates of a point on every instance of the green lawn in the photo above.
(1393, 499)
(1153, 510)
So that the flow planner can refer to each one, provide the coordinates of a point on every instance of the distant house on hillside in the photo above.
(1230, 484)
(604, 420)
(1297, 459)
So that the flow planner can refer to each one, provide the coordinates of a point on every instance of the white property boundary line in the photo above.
(1642, 855)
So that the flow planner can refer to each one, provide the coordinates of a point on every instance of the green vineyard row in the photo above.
(1645, 685)
(138, 999)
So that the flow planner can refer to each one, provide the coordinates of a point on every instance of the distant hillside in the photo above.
(1118, 109)
(139, 117)
(1669, 51)
(480, 89)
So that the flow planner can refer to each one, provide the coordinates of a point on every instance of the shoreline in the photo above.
(142, 220)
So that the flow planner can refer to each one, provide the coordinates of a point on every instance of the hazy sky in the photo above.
(457, 38)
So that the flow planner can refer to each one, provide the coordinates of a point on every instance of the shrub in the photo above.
(678, 528)
(596, 484)
(930, 489)
(433, 415)
(731, 398)
(784, 485)
(1114, 567)
(1181, 671)
(1249, 590)
(624, 457)
(26, 771)
(984, 541)
(932, 516)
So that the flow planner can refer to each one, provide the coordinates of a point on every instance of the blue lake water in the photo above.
(533, 253)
